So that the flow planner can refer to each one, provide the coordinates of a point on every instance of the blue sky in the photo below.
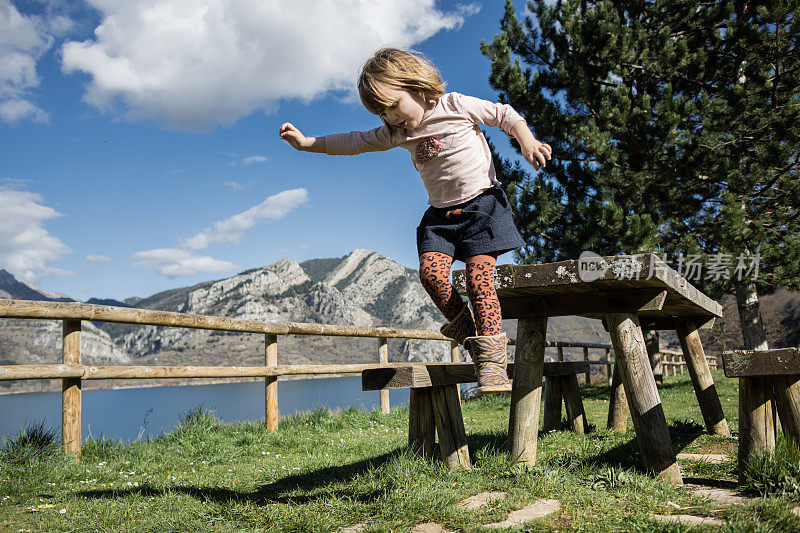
(138, 139)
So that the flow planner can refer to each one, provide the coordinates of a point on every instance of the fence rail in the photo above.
(72, 372)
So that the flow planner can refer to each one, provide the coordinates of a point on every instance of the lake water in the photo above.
(120, 413)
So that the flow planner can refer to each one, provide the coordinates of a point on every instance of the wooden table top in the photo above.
(642, 284)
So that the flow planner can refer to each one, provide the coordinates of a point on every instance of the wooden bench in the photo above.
(765, 375)
(630, 294)
(435, 405)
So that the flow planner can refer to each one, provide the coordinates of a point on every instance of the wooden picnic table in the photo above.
(628, 293)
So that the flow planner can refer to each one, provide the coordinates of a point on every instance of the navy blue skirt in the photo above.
(484, 226)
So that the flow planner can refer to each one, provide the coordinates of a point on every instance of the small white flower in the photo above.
(62, 511)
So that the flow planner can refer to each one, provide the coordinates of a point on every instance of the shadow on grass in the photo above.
(602, 392)
(315, 484)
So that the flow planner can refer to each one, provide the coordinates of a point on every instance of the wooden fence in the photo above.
(72, 371)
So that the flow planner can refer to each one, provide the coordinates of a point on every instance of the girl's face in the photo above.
(408, 109)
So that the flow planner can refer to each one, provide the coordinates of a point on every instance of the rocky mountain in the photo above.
(360, 289)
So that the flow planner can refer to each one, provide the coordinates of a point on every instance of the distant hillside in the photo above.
(107, 301)
(11, 287)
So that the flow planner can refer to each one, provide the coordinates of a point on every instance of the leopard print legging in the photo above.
(434, 272)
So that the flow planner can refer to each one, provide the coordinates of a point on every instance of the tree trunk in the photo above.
(755, 338)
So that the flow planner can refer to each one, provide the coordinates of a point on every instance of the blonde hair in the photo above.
(392, 68)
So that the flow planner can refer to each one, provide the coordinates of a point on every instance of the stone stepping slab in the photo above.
(689, 520)
(712, 458)
(720, 492)
(538, 509)
(481, 499)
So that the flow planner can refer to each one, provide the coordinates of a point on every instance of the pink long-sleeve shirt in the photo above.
(447, 148)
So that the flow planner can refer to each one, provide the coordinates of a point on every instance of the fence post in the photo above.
(71, 391)
(560, 353)
(271, 414)
(609, 365)
(455, 357)
(588, 377)
(383, 354)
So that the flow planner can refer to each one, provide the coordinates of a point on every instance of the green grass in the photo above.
(325, 471)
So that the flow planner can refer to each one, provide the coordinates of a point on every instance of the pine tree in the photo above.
(674, 126)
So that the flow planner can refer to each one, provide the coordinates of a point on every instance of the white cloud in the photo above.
(97, 259)
(193, 64)
(26, 247)
(23, 40)
(254, 159)
(15, 110)
(182, 261)
(231, 229)
(174, 262)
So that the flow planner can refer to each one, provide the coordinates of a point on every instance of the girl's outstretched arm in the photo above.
(299, 141)
(535, 151)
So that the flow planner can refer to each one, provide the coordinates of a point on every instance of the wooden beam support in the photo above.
(271, 414)
(576, 416)
(440, 374)
(618, 403)
(644, 402)
(703, 383)
(787, 398)
(383, 357)
(450, 427)
(756, 430)
(752, 363)
(149, 317)
(421, 425)
(618, 301)
(552, 398)
(526, 392)
(71, 391)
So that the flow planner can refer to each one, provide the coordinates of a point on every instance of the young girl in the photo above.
(469, 218)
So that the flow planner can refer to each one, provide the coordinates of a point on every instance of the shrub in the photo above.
(775, 474)
(33, 444)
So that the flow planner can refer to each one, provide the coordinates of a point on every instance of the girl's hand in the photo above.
(536, 152)
(293, 136)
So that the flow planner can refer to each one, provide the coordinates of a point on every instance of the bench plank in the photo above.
(440, 374)
(618, 273)
(753, 363)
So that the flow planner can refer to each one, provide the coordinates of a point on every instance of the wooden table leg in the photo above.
(421, 427)
(572, 399)
(756, 431)
(450, 426)
(703, 383)
(618, 403)
(552, 404)
(526, 393)
(787, 396)
(644, 402)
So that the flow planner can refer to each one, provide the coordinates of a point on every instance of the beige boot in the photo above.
(489, 355)
(461, 327)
